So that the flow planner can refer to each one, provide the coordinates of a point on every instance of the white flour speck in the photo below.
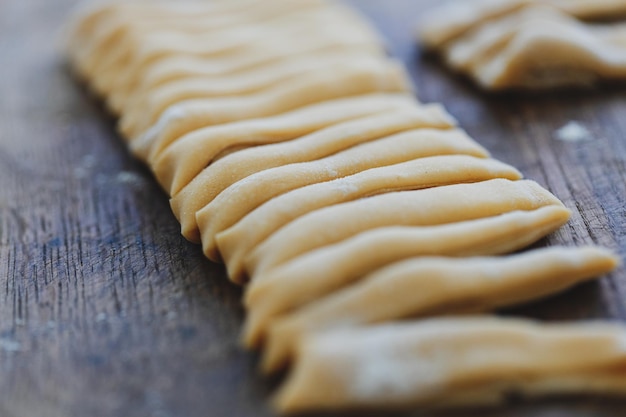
(573, 132)
(131, 178)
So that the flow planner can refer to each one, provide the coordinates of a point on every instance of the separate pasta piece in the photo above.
(452, 21)
(554, 51)
(489, 39)
(176, 165)
(529, 44)
(190, 115)
(235, 167)
(453, 362)
(145, 107)
(232, 204)
(238, 241)
(432, 206)
(422, 287)
(320, 272)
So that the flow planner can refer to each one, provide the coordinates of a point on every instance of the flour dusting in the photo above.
(573, 132)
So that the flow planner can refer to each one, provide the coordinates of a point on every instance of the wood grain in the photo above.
(105, 310)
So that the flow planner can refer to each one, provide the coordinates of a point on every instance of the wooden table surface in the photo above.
(105, 310)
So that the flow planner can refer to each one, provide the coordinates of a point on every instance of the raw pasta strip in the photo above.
(145, 108)
(176, 165)
(432, 206)
(180, 66)
(232, 204)
(112, 33)
(551, 50)
(327, 269)
(237, 166)
(453, 362)
(127, 68)
(427, 286)
(124, 76)
(190, 115)
(240, 239)
(94, 25)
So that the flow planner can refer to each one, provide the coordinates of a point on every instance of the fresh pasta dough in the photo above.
(529, 44)
(227, 171)
(229, 44)
(453, 362)
(553, 50)
(432, 206)
(350, 80)
(239, 240)
(426, 286)
(177, 165)
(294, 150)
(318, 273)
(145, 107)
(452, 20)
(244, 196)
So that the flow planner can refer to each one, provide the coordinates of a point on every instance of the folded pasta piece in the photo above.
(180, 162)
(239, 240)
(421, 287)
(125, 73)
(552, 50)
(193, 114)
(320, 272)
(432, 206)
(453, 362)
(445, 23)
(484, 42)
(453, 20)
(235, 202)
(235, 167)
(144, 108)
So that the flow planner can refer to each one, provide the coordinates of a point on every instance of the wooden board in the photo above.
(105, 310)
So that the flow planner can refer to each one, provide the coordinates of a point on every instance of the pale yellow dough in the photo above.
(453, 362)
(432, 206)
(552, 50)
(294, 150)
(238, 47)
(122, 77)
(171, 68)
(320, 272)
(144, 108)
(242, 197)
(426, 286)
(111, 25)
(350, 80)
(529, 44)
(235, 167)
(176, 165)
(239, 240)
(452, 20)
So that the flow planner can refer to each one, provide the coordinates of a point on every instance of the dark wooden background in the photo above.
(105, 310)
